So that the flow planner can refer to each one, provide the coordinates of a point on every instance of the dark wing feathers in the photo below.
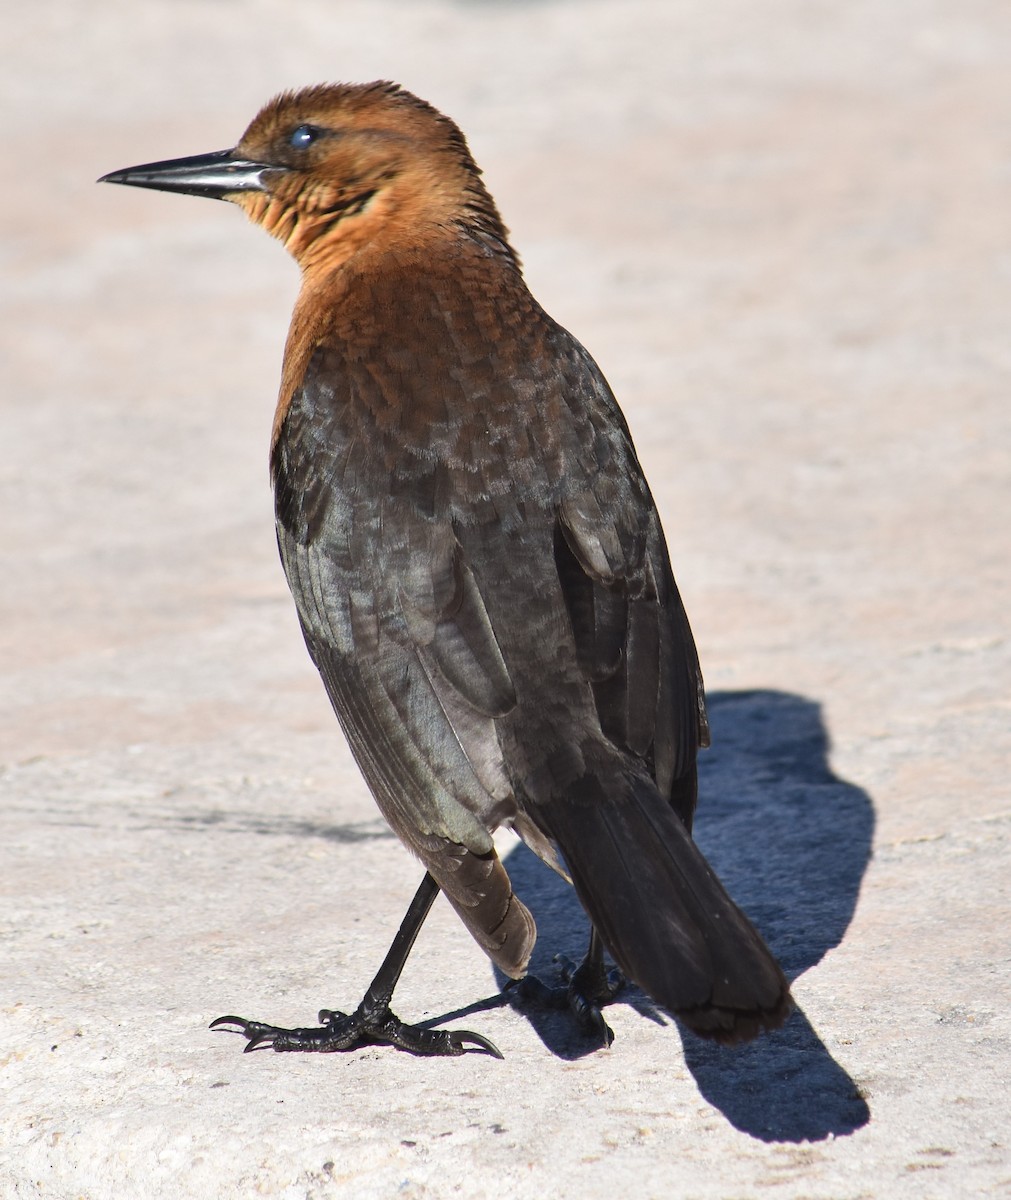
(438, 797)
(456, 634)
(633, 641)
(397, 629)
(598, 612)
(386, 701)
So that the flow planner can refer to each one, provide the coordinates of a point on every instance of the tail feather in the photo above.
(662, 912)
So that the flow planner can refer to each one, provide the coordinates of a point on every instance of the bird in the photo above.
(480, 575)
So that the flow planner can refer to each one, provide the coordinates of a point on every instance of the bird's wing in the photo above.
(633, 641)
(411, 665)
(402, 640)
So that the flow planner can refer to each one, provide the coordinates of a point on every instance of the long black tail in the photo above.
(661, 911)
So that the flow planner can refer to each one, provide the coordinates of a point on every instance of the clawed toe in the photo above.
(589, 1017)
(373, 1021)
(591, 978)
(258, 1033)
(367, 1026)
(464, 1038)
(253, 1031)
(221, 1021)
(585, 1010)
(585, 990)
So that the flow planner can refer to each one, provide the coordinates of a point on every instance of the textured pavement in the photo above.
(784, 231)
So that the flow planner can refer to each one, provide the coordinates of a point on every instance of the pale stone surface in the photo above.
(783, 229)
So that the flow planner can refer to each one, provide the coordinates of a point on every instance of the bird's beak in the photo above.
(216, 175)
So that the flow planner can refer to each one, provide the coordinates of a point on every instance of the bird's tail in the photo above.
(661, 911)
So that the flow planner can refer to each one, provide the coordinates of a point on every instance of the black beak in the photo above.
(216, 175)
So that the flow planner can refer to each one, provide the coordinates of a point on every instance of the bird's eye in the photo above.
(304, 136)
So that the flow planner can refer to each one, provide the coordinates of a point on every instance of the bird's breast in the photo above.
(438, 394)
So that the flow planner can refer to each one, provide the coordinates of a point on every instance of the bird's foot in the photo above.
(585, 990)
(368, 1025)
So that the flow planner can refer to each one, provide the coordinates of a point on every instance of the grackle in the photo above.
(480, 573)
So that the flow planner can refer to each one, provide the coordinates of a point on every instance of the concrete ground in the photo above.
(783, 227)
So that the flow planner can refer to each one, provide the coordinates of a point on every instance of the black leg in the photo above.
(373, 1020)
(586, 989)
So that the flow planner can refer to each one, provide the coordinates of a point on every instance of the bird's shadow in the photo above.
(791, 842)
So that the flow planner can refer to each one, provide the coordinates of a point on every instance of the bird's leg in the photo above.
(586, 989)
(591, 986)
(373, 1020)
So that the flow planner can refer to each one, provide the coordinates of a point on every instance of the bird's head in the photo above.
(334, 169)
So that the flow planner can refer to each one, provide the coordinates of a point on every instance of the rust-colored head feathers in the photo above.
(352, 166)
(336, 169)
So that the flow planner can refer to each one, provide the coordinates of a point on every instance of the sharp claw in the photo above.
(463, 1037)
(216, 1024)
(604, 1031)
(332, 1037)
(255, 1032)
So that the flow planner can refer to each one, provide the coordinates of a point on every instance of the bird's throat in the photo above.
(315, 235)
